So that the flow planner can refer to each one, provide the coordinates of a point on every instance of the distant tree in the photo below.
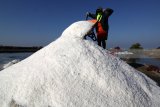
(136, 46)
(158, 48)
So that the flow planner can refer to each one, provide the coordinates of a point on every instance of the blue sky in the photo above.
(39, 22)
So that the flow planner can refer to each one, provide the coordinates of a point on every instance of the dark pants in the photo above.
(101, 42)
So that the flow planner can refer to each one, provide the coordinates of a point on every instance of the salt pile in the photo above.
(73, 72)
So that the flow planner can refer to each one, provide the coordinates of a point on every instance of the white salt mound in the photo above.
(73, 72)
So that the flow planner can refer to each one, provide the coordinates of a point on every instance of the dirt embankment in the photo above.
(151, 71)
(154, 53)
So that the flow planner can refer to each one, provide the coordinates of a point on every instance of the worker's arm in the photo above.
(91, 15)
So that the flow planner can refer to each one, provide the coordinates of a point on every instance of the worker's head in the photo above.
(108, 11)
(99, 10)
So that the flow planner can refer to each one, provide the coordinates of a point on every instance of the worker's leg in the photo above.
(99, 41)
(104, 44)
